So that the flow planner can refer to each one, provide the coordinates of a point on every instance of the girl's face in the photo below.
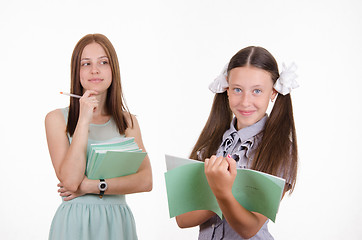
(250, 90)
(95, 71)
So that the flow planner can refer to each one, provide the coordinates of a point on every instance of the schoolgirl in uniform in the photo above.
(239, 134)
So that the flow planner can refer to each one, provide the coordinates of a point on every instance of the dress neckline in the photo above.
(101, 124)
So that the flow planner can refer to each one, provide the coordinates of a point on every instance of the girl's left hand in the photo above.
(220, 173)
(71, 195)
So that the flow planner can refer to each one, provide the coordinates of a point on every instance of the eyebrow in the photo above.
(90, 59)
(254, 86)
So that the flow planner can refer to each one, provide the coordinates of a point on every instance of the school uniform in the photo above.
(241, 145)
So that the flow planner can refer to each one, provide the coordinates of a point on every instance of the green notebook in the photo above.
(188, 189)
(114, 159)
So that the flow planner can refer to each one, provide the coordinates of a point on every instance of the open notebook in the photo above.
(188, 189)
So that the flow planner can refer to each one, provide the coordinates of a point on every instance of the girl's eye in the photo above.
(85, 64)
(237, 90)
(104, 62)
(257, 91)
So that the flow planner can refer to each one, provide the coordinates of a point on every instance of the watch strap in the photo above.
(101, 192)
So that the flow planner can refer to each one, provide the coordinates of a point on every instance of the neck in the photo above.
(101, 110)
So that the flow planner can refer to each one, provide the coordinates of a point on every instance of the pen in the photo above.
(70, 94)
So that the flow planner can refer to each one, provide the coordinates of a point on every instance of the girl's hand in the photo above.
(88, 104)
(220, 173)
(63, 192)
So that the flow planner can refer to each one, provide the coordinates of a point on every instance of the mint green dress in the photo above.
(90, 217)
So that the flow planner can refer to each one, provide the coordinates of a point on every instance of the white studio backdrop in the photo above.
(169, 51)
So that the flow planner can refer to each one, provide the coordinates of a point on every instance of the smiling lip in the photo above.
(246, 113)
(95, 80)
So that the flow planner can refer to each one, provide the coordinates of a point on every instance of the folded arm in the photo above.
(134, 183)
(69, 160)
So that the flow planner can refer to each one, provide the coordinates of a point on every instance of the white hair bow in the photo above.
(286, 81)
(220, 83)
(284, 84)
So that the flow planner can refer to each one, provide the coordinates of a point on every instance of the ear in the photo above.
(274, 94)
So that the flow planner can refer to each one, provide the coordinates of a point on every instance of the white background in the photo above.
(169, 52)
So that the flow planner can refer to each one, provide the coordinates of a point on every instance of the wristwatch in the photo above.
(102, 186)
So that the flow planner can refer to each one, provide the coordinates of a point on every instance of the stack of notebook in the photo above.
(114, 159)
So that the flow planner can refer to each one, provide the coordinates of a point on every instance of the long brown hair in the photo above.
(115, 103)
(277, 153)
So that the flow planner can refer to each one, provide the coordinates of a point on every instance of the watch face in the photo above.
(102, 186)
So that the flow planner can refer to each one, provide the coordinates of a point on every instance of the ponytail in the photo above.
(217, 123)
(277, 153)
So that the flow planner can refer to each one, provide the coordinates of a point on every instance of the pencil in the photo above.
(70, 94)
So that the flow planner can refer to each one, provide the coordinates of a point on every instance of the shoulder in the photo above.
(54, 117)
(131, 120)
(54, 114)
(132, 123)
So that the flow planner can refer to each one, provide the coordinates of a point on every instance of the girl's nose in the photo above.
(245, 99)
(95, 69)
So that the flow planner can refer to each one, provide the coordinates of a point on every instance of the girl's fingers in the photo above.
(89, 98)
(232, 164)
(89, 93)
(65, 194)
(88, 104)
(220, 162)
(70, 197)
(209, 162)
(216, 163)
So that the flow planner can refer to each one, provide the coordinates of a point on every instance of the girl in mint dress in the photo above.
(89, 210)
